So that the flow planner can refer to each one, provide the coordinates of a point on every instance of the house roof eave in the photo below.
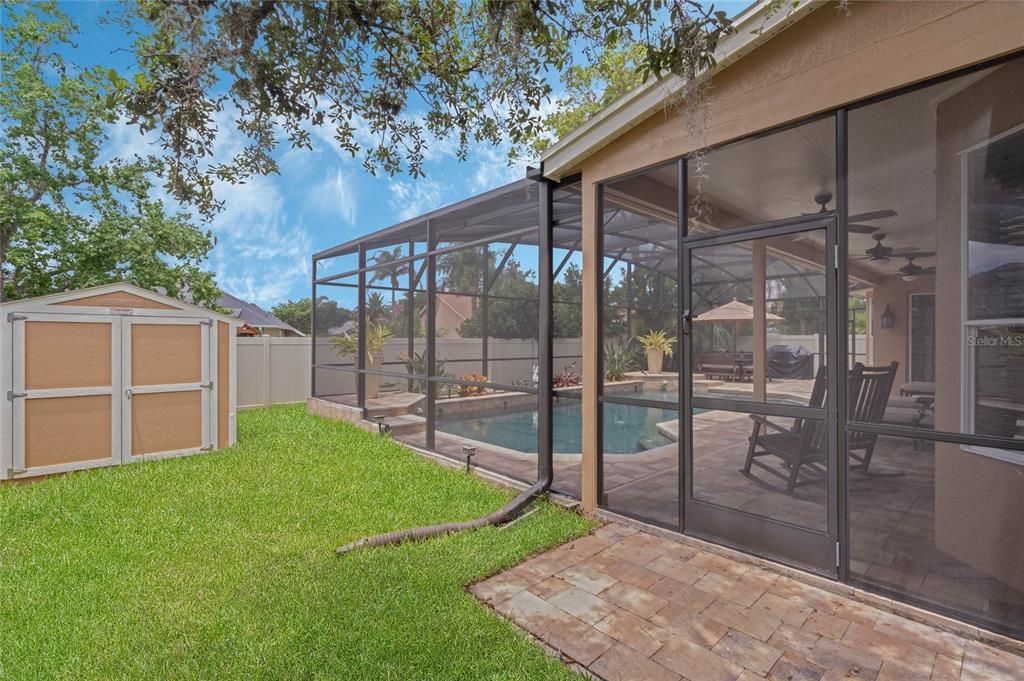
(753, 26)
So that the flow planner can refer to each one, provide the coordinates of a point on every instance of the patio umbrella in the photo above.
(735, 312)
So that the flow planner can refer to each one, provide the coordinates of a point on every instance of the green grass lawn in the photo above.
(222, 565)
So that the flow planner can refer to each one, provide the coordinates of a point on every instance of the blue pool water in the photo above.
(627, 429)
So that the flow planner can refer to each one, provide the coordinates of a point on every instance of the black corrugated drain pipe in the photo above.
(504, 514)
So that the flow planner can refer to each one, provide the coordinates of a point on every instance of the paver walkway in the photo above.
(628, 605)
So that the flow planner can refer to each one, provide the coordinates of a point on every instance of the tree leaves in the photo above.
(388, 76)
(69, 218)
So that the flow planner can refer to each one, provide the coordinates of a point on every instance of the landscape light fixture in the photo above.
(468, 452)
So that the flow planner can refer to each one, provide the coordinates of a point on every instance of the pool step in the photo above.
(398, 404)
(403, 424)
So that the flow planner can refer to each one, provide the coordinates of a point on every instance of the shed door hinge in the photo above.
(11, 395)
(11, 472)
(208, 384)
(206, 322)
(14, 317)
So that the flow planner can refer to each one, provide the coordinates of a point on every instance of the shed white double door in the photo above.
(99, 389)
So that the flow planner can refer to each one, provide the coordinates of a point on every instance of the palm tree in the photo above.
(376, 308)
(388, 270)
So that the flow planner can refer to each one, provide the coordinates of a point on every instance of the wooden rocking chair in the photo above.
(870, 388)
(803, 447)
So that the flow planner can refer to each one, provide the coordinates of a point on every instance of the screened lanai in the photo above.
(443, 328)
(446, 311)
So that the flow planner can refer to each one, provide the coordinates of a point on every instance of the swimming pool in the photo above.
(627, 429)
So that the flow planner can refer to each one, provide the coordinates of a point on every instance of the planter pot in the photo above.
(654, 360)
(372, 380)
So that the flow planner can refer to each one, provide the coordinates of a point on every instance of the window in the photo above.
(993, 244)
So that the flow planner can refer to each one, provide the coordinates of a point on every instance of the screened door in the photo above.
(760, 452)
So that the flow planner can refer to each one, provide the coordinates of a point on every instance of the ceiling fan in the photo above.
(912, 270)
(824, 198)
(879, 252)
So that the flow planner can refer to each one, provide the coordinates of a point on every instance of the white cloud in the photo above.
(410, 198)
(127, 141)
(492, 167)
(259, 256)
(333, 196)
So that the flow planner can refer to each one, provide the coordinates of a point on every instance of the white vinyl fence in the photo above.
(277, 370)
(272, 371)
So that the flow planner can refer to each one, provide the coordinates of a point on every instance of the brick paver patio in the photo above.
(628, 605)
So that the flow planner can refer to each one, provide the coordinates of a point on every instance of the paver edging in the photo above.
(910, 612)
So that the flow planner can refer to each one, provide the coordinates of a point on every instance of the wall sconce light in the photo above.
(888, 318)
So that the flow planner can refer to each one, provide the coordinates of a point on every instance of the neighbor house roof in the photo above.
(253, 315)
(754, 26)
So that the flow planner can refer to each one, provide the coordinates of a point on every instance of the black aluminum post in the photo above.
(410, 313)
(629, 300)
(361, 330)
(683, 439)
(599, 273)
(312, 334)
(839, 358)
(431, 334)
(545, 343)
(485, 286)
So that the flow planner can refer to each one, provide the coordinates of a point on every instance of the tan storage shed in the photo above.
(112, 374)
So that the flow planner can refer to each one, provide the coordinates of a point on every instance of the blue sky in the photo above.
(272, 225)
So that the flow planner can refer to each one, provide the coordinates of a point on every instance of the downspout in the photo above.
(545, 402)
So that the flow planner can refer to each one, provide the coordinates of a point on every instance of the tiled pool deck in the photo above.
(622, 604)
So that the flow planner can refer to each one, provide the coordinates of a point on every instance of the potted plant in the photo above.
(377, 335)
(657, 345)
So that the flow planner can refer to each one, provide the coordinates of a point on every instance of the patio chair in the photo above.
(803, 447)
(870, 388)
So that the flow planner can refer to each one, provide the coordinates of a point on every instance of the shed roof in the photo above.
(65, 297)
